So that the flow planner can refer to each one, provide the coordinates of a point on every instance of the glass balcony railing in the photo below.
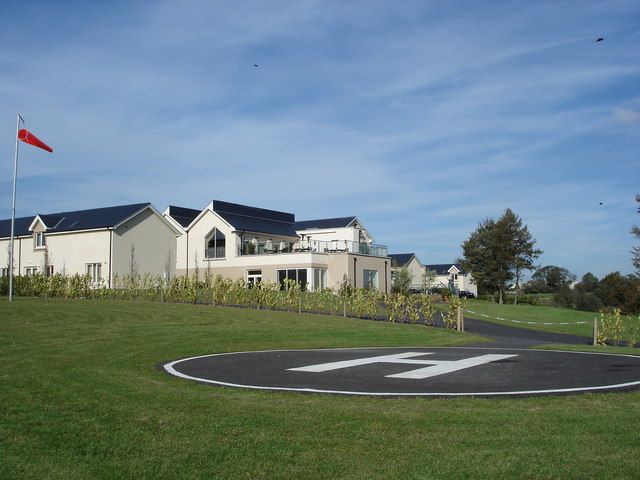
(313, 246)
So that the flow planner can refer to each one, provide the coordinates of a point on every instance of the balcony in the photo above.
(312, 246)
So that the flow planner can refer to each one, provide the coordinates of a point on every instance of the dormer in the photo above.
(38, 227)
(454, 271)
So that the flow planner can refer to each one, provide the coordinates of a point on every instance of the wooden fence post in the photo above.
(344, 307)
(595, 331)
(300, 303)
(459, 319)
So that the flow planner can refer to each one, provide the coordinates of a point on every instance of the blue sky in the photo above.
(421, 118)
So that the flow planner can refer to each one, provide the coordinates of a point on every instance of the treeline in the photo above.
(499, 252)
(590, 294)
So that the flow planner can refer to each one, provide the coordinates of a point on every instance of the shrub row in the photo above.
(222, 291)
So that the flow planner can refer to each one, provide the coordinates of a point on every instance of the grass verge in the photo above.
(538, 314)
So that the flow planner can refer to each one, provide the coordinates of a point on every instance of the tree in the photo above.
(522, 244)
(401, 281)
(428, 277)
(553, 278)
(635, 251)
(616, 290)
(498, 252)
(588, 283)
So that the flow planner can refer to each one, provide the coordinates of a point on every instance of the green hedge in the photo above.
(351, 302)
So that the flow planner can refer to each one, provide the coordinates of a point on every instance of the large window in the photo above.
(94, 270)
(215, 244)
(319, 279)
(30, 271)
(40, 241)
(298, 275)
(370, 279)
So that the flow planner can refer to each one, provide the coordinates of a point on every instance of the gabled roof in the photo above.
(76, 220)
(322, 223)
(184, 216)
(401, 259)
(443, 268)
(256, 220)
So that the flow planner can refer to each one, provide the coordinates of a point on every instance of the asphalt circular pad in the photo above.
(410, 371)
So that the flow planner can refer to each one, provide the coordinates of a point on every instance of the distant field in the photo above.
(82, 398)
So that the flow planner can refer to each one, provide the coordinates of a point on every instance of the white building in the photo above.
(101, 242)
(256, 244)
(450, 274)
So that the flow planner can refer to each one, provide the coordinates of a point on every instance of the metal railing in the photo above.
(313, 246)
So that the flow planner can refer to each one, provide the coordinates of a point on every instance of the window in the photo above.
(48, 270)
(455, 276)
(215, 244)
(40, 242)
(370, 279)
(298, 275)
(30, 271)
(94, 270)
(319, 279)
(254, 277)
(4, 272)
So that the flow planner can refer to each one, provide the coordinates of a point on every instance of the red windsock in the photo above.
(26, 136)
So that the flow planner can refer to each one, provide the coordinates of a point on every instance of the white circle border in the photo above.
(168, 367)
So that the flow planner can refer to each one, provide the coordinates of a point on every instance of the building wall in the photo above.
(154, 245)
(237, 267)
(25, 254)
(367, 262)
(68, 253)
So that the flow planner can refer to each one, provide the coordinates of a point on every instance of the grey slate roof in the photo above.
(21, 227)
(257, 220)
(441, 268)
(184, 216)
(75, 220)
(338, 222)
(400, 259)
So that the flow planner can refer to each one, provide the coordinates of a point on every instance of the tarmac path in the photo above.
(514, 337)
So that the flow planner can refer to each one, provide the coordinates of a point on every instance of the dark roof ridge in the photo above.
(253, 216)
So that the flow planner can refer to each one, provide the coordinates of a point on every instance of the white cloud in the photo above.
(626, 115)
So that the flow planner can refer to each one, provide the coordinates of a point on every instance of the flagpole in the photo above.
(13, 208)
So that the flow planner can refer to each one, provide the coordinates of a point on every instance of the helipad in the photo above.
(410, 371)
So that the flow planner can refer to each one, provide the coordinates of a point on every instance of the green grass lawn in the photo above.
(81, 397)
(530, 313)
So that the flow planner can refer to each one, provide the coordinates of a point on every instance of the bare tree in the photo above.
(428, 277)
(168, 265)
(196, 267)
(133, 266)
